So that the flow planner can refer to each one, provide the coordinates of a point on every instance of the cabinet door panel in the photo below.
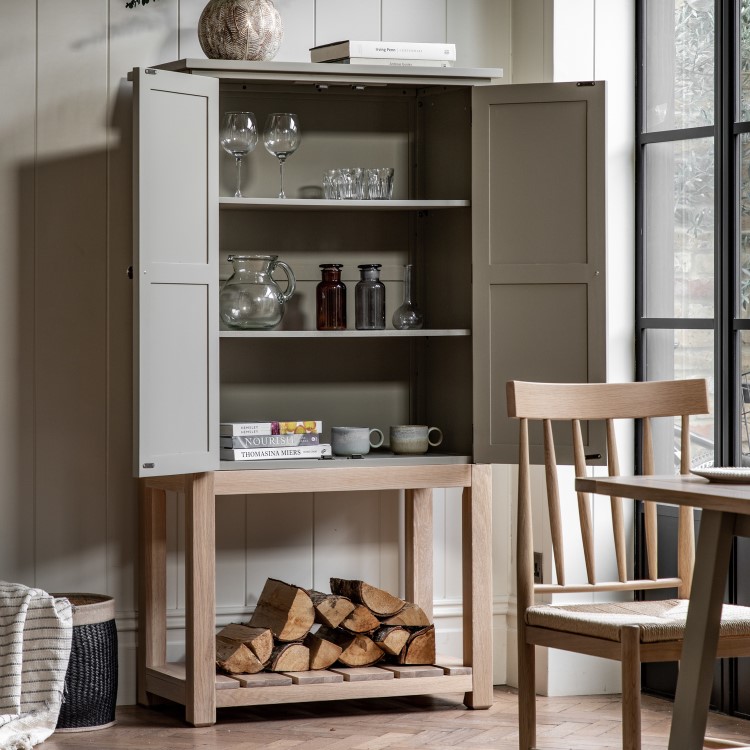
(176, 273)
(539, 248)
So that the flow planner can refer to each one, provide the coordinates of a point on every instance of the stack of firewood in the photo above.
(359, 625)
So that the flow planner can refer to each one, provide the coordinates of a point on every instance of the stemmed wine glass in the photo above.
(239, 136)
(281, 138)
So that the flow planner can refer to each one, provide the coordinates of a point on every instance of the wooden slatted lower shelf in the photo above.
(168, 681)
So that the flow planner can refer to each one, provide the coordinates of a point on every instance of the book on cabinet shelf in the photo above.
(268, 454)
(404, 50)
(300, 427)
(395, 62)
(269, 441)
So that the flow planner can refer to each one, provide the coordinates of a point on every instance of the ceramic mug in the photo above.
(355, 441)
(414, 438)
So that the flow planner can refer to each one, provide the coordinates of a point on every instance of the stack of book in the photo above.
(263, 441)
(397, 54)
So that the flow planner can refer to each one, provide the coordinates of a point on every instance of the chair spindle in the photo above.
(553, 501)
(584, 509)
(618, 522)
(649, 509)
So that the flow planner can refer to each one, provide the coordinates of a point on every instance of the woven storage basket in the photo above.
(91, 680)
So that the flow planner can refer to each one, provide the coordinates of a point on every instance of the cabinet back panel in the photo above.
(445, 397)
(444, 152)
(444, 278)
(352, 130)
(308, 238)
(346, 382)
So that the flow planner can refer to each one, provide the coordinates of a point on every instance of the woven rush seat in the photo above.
(659, 621)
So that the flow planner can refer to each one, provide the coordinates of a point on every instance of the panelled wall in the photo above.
(579, 40)
(67, 500)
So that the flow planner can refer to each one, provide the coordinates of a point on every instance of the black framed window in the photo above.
(693, 235)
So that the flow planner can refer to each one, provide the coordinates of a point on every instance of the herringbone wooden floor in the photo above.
(579, 723)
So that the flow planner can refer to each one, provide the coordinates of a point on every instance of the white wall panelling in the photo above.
(346, 19)
(481, 31)
(417, 20)
(18, 138)
(563, 40)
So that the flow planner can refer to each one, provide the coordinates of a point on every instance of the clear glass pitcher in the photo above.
(250, 298)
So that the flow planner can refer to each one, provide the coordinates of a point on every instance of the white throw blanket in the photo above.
(36, 632)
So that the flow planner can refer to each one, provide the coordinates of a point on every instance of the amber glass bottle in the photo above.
(330, 299)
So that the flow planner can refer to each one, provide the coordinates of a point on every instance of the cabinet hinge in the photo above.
(149, 465)
(586, 83)
(150, 72)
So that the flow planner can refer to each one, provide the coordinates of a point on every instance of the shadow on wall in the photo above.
(75, 363)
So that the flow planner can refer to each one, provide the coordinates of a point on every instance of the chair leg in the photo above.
(631, 688)
(526, 693)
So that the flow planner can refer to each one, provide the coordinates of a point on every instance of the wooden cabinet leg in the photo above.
(418, 512)
(200, 600)
(152, 584)
(477, 584)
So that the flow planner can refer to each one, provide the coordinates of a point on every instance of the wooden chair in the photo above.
(632, 632)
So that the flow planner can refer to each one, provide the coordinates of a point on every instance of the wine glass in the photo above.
(239, 136)
(281, 138)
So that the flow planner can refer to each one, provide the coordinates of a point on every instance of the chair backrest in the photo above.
(584, 402)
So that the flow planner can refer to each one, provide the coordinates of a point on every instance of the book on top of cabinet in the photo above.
(265, 454)
(299, 427)
(405, 50)
(396, 62)
(269, 441)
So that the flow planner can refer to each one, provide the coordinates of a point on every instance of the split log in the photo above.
(323, 653)
(379, 601)
(357, 650)
(411, 615)
(289, 657)
(420, 648)
(258, 640)
(285, 609)
(330, 609)
(235, 657)
(361, 620)
(391, 638)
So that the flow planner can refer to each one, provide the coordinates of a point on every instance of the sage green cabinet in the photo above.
(498, 201)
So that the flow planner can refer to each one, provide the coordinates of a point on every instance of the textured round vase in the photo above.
(240, 30)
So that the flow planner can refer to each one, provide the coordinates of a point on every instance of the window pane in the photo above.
(678, 355)
(743, 278)
(744, 416)
(679, 64)
(745, 60)
(678, 243)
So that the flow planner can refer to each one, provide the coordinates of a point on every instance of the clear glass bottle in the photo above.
(408, 316)
(369, 299)
(330, 299)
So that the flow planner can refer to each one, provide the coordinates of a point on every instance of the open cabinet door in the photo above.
(175, 273)
(539, 249)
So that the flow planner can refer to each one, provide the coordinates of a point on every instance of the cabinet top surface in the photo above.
(333, 72)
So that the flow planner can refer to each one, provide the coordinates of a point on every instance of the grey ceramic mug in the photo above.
(355, 441)
(414, 438)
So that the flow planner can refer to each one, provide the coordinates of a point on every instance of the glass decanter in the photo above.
(369, 299)
(408, 315)
(250, 298)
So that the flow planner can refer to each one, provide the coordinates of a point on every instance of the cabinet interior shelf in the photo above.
(323, 204)
(348, 334)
